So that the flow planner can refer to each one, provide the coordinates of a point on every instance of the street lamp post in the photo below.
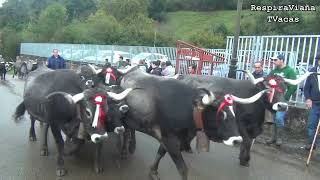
(233, 63)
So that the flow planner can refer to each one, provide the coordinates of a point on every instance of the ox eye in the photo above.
(88, 113)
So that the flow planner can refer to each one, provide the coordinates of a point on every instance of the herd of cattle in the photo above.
(20, 68)
(90, 103)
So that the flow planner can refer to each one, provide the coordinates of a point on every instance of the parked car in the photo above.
(112, 56)
(149, 57)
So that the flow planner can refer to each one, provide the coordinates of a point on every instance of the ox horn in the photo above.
(208, 98)
(297, 81)
(78, 97)
(125, 71)
(72, 99)
(94, 70)
(121, 96)
(251, 77)
(249, 100)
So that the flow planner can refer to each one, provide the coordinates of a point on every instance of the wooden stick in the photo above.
(314, 140)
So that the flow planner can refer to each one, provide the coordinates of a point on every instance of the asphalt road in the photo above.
(21, 160)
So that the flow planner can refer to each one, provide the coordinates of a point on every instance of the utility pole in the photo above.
(234, 60)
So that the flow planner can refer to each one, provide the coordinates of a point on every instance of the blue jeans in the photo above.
(313, 120)
(279, 118)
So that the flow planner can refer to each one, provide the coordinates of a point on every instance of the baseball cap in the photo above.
(279, 56)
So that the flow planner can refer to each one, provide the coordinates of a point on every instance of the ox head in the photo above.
(219, 117)
(87, 76)
(108, 75)
(101, 110)
(276, 86)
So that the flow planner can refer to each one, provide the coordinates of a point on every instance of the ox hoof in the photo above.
(245, 164)
(32, 138)
(61, 172)
(98, 169)
(44, 152)
(154, 175)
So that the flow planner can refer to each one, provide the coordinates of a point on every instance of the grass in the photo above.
(183, 24)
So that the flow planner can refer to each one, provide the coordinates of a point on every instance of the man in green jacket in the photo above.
(286, 72)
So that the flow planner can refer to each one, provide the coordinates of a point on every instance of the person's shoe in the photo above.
(273, 138)
(280, 132)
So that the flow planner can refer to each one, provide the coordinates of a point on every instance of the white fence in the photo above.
(299, 51)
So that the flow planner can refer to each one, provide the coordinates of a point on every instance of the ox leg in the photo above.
(60, 170)
(185, 145)
(154, 168)
(132, 145)
(98, 159)
(32, 133)
(125, 146)
(172, 144)
(245, 147)
(44, 149)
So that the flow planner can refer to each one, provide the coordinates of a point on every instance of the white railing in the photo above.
(299, 51)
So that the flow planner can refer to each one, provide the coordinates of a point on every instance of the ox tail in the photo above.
(19, 112)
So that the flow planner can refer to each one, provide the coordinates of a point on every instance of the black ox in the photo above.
(166, 109)
(250, 117)
(59, 98)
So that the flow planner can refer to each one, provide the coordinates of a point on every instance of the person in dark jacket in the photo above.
(312, 95)
(156, 70)
(258, 70)
(56, 61)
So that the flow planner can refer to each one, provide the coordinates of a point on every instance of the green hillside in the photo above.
(183, 24)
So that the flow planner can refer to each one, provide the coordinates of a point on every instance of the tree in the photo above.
(10, 39)
(138, 30)
(122, 9)
(208, 39)
(80, 9)
(157, 9)
(51, 22)
(104, 28)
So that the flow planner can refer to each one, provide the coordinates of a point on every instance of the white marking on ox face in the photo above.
(117, 130)
(95, 138)
(124, 108)
(277, 106)
(89, 82)
(107, 78)
(232, 140)
(232, 111)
